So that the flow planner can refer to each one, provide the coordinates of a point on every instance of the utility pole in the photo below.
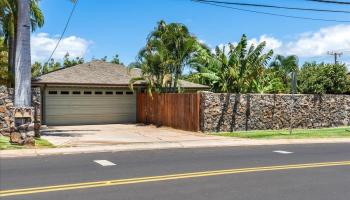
(336, 55)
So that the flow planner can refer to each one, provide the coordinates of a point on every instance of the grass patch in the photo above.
(341, 132)
(39, 143)
(42, 143)
(5, 144)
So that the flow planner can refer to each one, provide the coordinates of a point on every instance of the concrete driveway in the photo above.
(116, 134)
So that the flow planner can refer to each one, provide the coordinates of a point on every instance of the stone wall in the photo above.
(234, 112)
(6, 108)
(6, 115)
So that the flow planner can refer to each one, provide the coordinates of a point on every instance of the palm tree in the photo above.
(154, 68)
(168, 50)
(282, 66)
(8, 20)
(23, 60)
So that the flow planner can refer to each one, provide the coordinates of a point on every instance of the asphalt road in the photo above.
(228, 173)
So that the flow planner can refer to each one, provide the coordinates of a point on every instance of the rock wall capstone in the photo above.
(238, 112)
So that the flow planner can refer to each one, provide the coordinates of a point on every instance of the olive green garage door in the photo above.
(74, 106)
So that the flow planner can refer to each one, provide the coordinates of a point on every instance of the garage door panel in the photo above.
(92, 111)
(88, 101)
(90, 119)
(89, 109)
(82, 105)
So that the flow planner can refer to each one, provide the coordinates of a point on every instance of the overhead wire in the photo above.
(273, 6)
(331, 2)
(64, 30)
(269, 13)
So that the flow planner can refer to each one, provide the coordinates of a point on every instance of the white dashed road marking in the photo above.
(283, 152)
(104, 163)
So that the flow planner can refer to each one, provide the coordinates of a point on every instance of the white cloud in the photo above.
(42, 45)
(224, 47)
(271, 42)
(319, 42)
(309, 44)
(201, 41)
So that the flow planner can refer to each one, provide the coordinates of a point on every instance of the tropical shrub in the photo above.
(323, 78)
(238, 69)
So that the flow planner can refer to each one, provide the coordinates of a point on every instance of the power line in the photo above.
(272, 14)
(273, 6)
(343, 50)
(64, 29)
(329, 1)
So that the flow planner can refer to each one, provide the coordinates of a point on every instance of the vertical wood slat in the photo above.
(179, 111)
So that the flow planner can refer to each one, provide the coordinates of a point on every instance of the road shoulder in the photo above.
(224, 142)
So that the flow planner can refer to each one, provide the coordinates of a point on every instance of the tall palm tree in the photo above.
(168, 50)
(23, 60)
(8, 20)
(27, 11)
(154, 69)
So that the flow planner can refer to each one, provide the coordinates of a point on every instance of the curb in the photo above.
(163, 145)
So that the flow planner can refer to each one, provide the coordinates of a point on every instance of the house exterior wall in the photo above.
(234, 112)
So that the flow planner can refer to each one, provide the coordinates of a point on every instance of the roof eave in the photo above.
(82, 84)
(35, 83)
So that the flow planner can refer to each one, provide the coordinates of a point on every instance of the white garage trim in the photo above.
(72, 106)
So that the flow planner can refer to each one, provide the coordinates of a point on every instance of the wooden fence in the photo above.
(180, 111)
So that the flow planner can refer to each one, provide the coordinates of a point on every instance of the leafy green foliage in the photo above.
(237, 69)
(3, 63)
(234, 68)
(168, 50)
(115, 60)
(104, 59)
(39, 69)
(69, 62)
(279, 72)
(36, 69)
(8, 28)
(323, 78)
(134, 65)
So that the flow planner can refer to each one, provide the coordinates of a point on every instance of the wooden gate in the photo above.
(180, 111)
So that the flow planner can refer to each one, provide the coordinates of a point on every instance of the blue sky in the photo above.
(105, 27)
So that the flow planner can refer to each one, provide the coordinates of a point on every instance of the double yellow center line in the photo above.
(115, 182)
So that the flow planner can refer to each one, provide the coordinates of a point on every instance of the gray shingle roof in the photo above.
(97, 73)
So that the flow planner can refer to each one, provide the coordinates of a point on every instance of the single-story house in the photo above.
(92, 93)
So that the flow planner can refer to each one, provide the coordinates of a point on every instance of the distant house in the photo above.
(92, 93)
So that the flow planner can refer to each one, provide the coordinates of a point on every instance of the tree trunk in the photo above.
(9, 66)
(175, 83)
(11, 61)
(22, 59)
(176, 80)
